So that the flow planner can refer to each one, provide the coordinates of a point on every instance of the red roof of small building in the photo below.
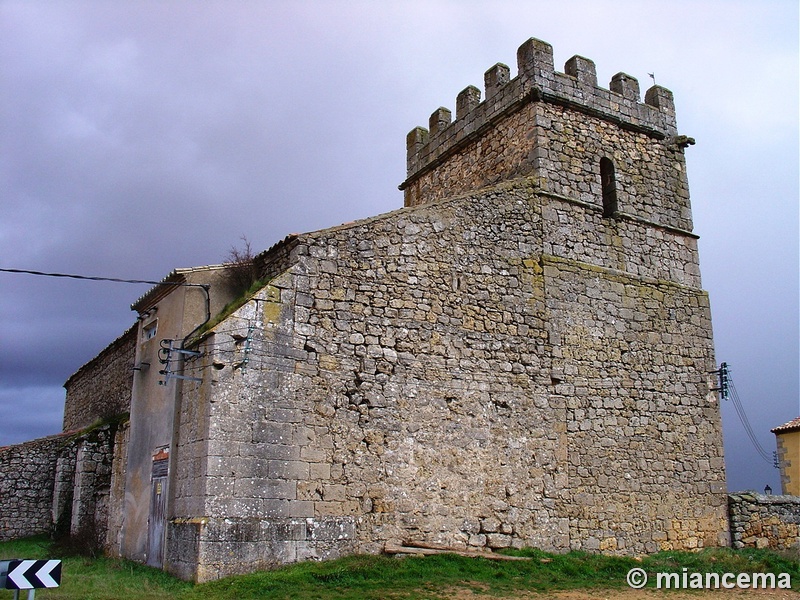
(793, 425)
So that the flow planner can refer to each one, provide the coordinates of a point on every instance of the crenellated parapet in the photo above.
(537, 81)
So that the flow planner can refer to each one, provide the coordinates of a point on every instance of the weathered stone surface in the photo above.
(27, 481)
(487, 371)
(102, 387)
(59, 484)
(759, 521)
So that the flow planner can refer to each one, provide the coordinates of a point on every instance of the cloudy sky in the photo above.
(142, 136)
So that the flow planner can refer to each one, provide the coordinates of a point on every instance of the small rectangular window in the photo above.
(609, 186)
(149, 331)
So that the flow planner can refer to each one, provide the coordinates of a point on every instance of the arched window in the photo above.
(609, 185)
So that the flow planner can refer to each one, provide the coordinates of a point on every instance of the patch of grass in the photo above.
(228, 309)
(85, 578)
(383, 577)
(32, 547)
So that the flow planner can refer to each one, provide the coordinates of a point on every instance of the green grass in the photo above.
(229, 308)
(383, 577)
(96, 579)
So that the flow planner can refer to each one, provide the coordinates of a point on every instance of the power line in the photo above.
(728, 391)
(737, 403)
(92, 278)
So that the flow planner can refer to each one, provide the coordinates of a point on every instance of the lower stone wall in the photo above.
(92, 483)
(116, 495)
(759, 521)
(201, 549)
(59, 485)
(27, 479)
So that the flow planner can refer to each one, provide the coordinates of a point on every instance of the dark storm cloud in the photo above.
(29, 413)
(143, 136)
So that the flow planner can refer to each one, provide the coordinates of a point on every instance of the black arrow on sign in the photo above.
(32, 574)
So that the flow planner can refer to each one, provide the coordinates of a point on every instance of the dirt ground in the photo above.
(671, 595)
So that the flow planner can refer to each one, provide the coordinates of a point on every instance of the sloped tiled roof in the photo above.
(175, 278)
(793, 425)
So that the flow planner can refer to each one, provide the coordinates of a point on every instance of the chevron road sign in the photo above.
(30, 574)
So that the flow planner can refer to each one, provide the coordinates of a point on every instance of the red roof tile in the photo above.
(793, 425)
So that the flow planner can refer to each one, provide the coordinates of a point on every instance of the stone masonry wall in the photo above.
(102, 387)
(27, 478)
(640, 415)
(759, 521)
(238, 465)
(58, 485)
(92, 482)
(502, 369)
(116, 494)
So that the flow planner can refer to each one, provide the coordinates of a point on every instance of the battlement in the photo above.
(537, 81)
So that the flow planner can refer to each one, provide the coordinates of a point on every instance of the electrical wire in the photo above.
(92, 278)
(737, 404)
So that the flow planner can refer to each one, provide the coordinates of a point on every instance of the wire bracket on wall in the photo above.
(247, 347)
(168, 355)
(723, 375)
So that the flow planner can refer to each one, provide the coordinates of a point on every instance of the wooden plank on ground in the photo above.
(430, 549)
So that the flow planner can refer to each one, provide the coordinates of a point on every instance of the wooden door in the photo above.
(156, 524)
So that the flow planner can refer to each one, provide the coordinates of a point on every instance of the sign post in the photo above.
(29, 575)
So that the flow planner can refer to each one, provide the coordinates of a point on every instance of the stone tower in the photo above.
(628, 333)
(600, 147)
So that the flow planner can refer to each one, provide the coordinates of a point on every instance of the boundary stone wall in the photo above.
(59, 485)
(27, 479)
(759, 521)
